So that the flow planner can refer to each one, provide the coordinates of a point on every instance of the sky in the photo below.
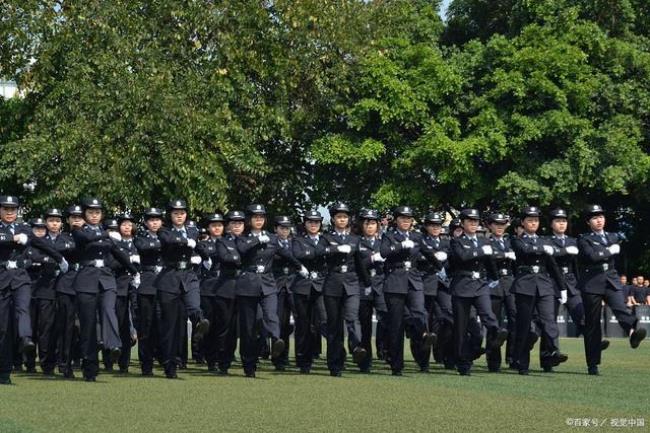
(443, 8)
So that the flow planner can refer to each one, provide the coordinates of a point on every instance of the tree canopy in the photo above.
(299, 103)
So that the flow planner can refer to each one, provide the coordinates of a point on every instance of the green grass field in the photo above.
(440, 401)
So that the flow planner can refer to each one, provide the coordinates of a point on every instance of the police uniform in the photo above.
(502, 299)
(126, 300)
(472, 269)
(225, 327)
(434, 268)
(307, 291)
(96, 290)
(535, 290)
(43, 271)
(67, 329)
(566, 257)
(178, 291)
(403, 289)
(341, 293)
(15, 288)
(209, 276)
(284, 273)
(256, 287)
(372, 295)
(149, 250)
(600, 282)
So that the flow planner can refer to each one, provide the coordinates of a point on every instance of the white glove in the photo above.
(549, 250)
(614, 249)
(441, 256)
(408, 244)
(264, 239)
(115, 236)
(64, 266)
(377, 258)
(345, 249)
(196, 260)
(135, 258)
(303, 272)
(511, 255)
(21, 238)
(571, 250)
(367, 291)
(563, 297)
(487, 250)
(136, 280)
(191, 243)
(207, 264)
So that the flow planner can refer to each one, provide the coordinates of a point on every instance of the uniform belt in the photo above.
(406, 265)
(565, 269)
(474, 275)
(535, 269)
(343, 269)
(504, 272)
(13, 264)
(99, 263)
(151, 268)
(74, 267)
(230, 273)
(603, 267)
(257, 269)
(179, 266)
(281, 271)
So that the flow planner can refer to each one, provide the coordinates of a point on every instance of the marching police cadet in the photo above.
(225, 327)
(126, 291)
(96, 288)
(208, 347)
(284, 273)
(600, 282)
(341, 290)
(403, 288)
(309, 249)
(15, 284)
(178, 287)
(372, 296)
(149, 250)
(565, 255)
(534, 291)
(502, 300)
(256, 286)
(66, 309)
(472, 268)
(43, 271)
(433, 265)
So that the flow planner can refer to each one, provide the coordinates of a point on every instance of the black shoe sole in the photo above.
(278, 348)
(359, 355)
(637, 337)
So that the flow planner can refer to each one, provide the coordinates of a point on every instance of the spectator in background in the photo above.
(638, 291)
(646, 286)
(627, 289)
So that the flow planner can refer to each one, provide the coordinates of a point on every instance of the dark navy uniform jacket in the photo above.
(401, 264)
(599, 265)
(177, 275)
(123, 275)
(472, 268)
(257, 258)
(229, 267)
(372, 274)
(209, 277)
(10, 251)
(567, 263)
(342, 268)
(310, 252)
(537, 272)
(94, 244)
(284, 270)
(65, 244)
(431, 266)
(150, 249)
(505, 267)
